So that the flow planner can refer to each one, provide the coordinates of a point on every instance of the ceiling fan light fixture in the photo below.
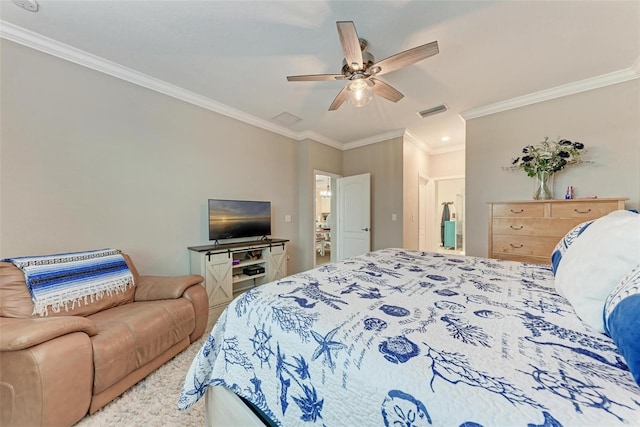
(326, 194)
(359, 92)
(361, 69)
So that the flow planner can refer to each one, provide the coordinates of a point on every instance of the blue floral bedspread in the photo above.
(408, 338)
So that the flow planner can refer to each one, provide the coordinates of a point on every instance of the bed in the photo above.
(402, 337)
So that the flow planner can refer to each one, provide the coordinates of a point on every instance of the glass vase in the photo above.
(544, 186)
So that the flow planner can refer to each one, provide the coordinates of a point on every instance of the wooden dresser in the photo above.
(528, 231)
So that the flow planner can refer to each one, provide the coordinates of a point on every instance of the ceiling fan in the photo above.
(360, 68)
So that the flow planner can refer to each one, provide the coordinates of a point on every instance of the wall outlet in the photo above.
(287, 218)
(394, 217)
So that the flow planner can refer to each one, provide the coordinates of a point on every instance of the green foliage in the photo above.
(549, 157)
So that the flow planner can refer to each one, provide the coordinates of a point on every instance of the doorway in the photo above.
(342, 217)
(450, 223)
(323, 221)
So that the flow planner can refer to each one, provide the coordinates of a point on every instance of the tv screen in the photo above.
(232, 219)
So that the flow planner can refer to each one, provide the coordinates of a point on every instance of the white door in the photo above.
(353, 215)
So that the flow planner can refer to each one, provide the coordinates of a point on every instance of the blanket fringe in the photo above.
(41, 308)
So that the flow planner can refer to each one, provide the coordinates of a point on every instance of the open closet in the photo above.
(450, 215)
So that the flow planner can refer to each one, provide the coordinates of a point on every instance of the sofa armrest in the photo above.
(19, 334)
(152, 288)
(200, 301)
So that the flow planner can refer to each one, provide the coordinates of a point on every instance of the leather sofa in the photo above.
(56, 369)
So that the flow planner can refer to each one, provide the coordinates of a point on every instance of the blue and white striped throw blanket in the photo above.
(64, 280)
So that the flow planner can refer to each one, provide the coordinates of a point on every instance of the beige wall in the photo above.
(605, 120)
(384, 162)
(415, 164)
(447, 165)
(90, 161)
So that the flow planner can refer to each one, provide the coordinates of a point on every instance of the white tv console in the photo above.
(222, 267)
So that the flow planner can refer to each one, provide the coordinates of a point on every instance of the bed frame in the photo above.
(224, 408)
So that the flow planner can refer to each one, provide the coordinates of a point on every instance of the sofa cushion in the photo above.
(15, 300)
(131, 335)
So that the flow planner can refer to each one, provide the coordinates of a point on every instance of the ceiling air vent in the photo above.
(30, 5)
(286, 119)
(431, 111)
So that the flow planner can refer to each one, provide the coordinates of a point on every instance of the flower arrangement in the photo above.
(548, 157)
(543, 160)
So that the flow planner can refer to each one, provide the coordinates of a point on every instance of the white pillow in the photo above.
(565, 242)
(596, 261)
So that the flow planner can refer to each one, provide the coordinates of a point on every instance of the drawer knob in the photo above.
(582, 212)
(516, 212)
(516, 246)
(516, 228)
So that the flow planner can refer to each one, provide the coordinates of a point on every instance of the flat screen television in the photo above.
(233, 219)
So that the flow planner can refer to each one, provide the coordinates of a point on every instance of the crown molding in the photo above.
(397, 133)
(447, 149)
(308, 134)
(556, 92)
(450, 148)
(635, 67)
(55, 48)
(409, 137)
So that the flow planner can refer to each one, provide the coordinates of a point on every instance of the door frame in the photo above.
(312, 232)
(436, 209)
(424, 231)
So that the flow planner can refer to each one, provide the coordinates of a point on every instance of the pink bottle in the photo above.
(569, 194)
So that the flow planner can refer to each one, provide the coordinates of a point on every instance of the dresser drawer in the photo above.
(519, 210)
(586, 210)
(540, 246)
(522, 258)
(534, 226)
(528, 231)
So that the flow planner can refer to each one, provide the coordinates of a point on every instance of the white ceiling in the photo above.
(234, 56)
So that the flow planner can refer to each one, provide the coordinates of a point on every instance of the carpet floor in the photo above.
(153, 401)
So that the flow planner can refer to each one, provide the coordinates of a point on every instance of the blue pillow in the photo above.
(565, 242)
(622, 320)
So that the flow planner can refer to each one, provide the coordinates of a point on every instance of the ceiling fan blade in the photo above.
(315, 77)
(407, 57)
(350, 44)
(339, 99)
(386, 91)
